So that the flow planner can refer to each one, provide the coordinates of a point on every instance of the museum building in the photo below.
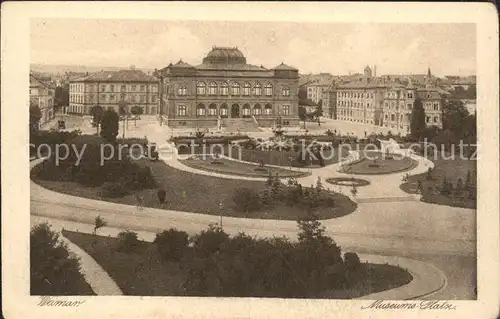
(224, 88)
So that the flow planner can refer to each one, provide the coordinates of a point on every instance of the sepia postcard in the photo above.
(250, 160)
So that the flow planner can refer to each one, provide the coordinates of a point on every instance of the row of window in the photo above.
(355, 95)
(112, 88)
(359, 95)
(112, 98)
(235, 89)
(353, 104)
(399, 94)
(427, 106)
(201, 110)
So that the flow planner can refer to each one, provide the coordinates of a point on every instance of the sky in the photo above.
(336, 48)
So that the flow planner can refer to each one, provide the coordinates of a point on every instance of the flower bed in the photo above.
(373, 163)
(347, 181)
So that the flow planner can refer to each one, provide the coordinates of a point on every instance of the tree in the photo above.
(303, 115)
(417, 120)
(109, 125)
(210, 241)
(53, 270)
(171, 244)
(127, 241)
(430, 132)
(123, 113)
(61, 96)
(35, 116)
(454, 114)
(97, 112)
(136, 110)
(99, 223)
(161, 195)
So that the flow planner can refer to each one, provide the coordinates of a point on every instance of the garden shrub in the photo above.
(127, 241)
(351, 261)
(246, 199)
(171, 244)
(161, 195)
(53, 269)
(210, 241)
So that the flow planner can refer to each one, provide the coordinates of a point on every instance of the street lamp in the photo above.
(221, 208)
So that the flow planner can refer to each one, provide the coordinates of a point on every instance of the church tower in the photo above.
(428, 79)
(368, 72)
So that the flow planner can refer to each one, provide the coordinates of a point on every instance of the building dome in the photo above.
(225, 55)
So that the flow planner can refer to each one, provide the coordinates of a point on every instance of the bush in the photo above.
(127, 241)
(113, 189)
(246, 199)
(161, 195)
(210, 241)
(171, 244)
(53, 270)
(351, 261)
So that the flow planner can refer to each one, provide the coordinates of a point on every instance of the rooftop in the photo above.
(228, 55)
(117, 76)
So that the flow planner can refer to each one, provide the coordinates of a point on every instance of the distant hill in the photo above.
(61, 69)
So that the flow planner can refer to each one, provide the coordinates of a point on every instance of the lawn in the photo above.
(201, 194)
(143, 273)
(269, 157)
(452, 169)
(372, 163)
(227, 166)
(282, 158)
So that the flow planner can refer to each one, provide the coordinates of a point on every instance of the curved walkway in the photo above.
(390, 182)
(388, 226)
(97, 278)
(427, 279)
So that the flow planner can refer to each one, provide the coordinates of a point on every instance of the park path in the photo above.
(98, 279)
(383, 187)
(387, 227)
(427, 279)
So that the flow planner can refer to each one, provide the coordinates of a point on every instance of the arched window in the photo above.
(235, 88)
(268, 110)
(257, 109)
(201, 88)
(223, 110)
(246, 110)
(246, 88)
(223, 88)
(212, 88)
(268, 89)
(200, 110)
(258, 89)
(436, 119)
(212, 110)
(182, 90)
(286, 91)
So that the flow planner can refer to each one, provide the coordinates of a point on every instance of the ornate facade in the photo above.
(223, 87)
(386, 102)
(109, 88)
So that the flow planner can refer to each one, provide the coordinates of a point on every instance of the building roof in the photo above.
(117, 76)
(230, 55)
(321, 79)
(428, 93)
(37, 82)
(182, 64)
(284, 67)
